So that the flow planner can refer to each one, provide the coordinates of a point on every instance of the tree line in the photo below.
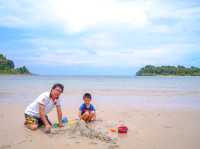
(150, 70)
(8, 67)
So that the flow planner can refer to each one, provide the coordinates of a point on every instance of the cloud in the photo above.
(77, 15)
(188, 12)
(11, 21)
(74, 15)
(99, 41)
(101, 33)
(164, 55)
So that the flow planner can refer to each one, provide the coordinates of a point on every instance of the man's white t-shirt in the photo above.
(44, 98)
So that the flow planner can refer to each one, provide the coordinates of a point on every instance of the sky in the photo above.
(99, 37)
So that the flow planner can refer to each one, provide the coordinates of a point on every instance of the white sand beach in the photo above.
(152, 128)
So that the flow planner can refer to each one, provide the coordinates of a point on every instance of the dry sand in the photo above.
(149, 128)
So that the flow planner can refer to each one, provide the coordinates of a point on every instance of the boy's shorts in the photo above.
(32, 120)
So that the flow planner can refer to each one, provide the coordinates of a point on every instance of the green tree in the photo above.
(151, 70)
(8, 67)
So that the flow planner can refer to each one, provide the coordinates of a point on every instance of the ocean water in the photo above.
(116, 91)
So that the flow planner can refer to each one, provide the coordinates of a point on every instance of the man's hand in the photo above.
(60, 125)
(47, 128)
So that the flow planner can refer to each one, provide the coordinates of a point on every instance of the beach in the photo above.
(100, 74)
(148, 128)
(158, 116)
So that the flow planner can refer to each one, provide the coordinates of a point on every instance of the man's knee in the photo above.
(32, 127)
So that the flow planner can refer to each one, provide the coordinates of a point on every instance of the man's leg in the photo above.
(32, 126)
(30, 122)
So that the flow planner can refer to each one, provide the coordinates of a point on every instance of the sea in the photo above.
(115, 91)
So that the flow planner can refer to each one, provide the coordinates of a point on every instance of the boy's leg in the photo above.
(92, 116)
(85, 116)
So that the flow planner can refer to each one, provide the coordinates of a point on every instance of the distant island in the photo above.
(8, 67)
(150, 70)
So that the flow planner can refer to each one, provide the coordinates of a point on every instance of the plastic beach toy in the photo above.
(71, 122)
(55, 125)
(113, 130)
(64, 120)
(122, 129)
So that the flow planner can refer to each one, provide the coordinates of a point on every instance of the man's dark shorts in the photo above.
(32, 120)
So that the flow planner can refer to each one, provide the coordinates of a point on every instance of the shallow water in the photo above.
(130, 91)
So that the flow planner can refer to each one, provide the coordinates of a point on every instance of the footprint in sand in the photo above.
(93, 143)
(73, 137)
(68, 144)
(1, 116)
(167, 126)
(120, 121)
(5, 146)
(113, 146)
(21, 142)
(77, 142)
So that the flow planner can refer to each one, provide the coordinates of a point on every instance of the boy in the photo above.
(36, 112)
(87, 110)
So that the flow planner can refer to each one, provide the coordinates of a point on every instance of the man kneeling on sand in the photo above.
(36, 112)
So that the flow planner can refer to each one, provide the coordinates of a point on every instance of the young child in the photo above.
(87, 110)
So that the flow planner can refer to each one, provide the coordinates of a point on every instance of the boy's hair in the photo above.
(58, 85)
(87, 95)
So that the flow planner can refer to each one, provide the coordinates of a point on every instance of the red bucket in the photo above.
(122, 129)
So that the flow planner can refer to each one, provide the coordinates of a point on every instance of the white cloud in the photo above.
(11, 21)
(74, 15)
(161, 29)
(99, 41)
(188, 12)
(164, 55)
(78, 15)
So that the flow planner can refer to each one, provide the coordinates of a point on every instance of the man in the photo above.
(36, 112)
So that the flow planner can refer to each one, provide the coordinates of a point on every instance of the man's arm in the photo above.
(42, 115)
(59, 113)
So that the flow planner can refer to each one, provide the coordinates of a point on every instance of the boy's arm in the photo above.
(80, 111)
(42, 115)
(79, 114)
(94, 112)
(59, 113)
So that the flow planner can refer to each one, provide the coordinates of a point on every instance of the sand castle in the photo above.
(83, 129)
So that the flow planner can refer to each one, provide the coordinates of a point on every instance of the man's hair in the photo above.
(87, 95)
(58, 85)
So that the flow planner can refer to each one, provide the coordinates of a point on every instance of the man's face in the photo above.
(87, 101)
(56, 92)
